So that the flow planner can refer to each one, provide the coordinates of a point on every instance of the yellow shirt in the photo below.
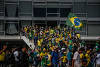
(41, 40)
(57, 40)
(78, 35)
(64, 59)
(61, 38)
(49, 57)
(88, 58)
(52, 48)
(39, 43)
(70, 35)
(81, 55)
(2, 56)
(25, 29)
(41, 54)
(49, 60)
(49, 43)
(51, 31)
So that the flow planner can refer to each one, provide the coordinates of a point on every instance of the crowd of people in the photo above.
(54, 47)
(14, 57)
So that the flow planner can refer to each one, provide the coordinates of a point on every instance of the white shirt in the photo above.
(98, 59)
(16, 55)
(76, 57)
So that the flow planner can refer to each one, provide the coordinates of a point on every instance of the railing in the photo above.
(27, 41)
(9, 37)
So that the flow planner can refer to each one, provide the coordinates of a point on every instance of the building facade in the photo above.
(15, 14)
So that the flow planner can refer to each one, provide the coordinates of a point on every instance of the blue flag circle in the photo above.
(77, 22)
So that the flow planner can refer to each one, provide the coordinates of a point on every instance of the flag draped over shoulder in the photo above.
(73, 21)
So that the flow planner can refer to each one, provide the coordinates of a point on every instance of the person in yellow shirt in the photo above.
(88, 57)
(52, 48)
(48, 59)
(25, 31)
(85, 58)
(41, 40)
(70, 35)
(61, 38)
(57, 40)
(64, 59)
(78, 35)
(49, 44)
(2, 55)
(39, 43)
(43, 59)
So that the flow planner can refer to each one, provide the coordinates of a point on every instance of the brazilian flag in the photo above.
(73, 21)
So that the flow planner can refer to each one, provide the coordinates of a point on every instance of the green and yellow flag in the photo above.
(73, 21)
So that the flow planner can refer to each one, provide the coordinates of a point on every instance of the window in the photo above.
(1, 25)
(1, 8)
(39, 12)
(80, 7)
(94, 11)
(64, 12)
(94, 29)
(11, 27)
(25, 8)
(9, 8)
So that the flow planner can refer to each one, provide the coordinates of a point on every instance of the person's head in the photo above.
(4, 47)
(65, 53)
(44, 49)
(24, 49)
(36, 50)
(80, 50)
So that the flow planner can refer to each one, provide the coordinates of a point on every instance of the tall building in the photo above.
(15, 14)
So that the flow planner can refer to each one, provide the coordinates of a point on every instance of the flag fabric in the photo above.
(73, 21)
